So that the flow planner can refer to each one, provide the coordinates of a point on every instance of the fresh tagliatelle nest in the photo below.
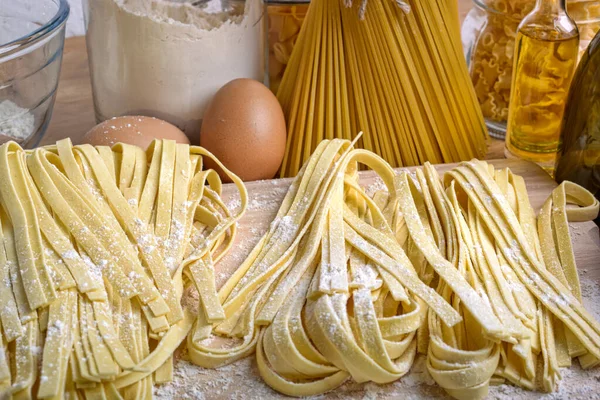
(97, 247)
(99, 244)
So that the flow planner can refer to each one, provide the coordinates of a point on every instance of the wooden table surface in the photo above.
(73, 113)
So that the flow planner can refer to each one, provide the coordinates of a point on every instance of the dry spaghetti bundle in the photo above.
(398, 77)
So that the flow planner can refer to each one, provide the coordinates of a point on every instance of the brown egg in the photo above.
(136, 130)
(244, 128)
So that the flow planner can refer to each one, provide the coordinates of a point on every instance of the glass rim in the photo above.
(57, 21)
(286, 2)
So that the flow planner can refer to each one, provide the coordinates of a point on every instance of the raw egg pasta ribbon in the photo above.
(108, 247)
(558, 252)
(19, 207)
(382, 358)
(9, 314)
(199, 207)
(53, 320)
(461, 359)
(518, 361)
(227, 224)
(387, 355)
(556, 342)
(99, 173)
(24, 373)
(547, 336)
(278, 373)
(471, 300)
(510, 299)
(108, 316)
(207, 213)
(502, 222)
(271, 255)
(199, 260)
(138, 232)
(312, 274)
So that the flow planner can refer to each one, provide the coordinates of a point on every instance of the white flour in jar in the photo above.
(167, 58)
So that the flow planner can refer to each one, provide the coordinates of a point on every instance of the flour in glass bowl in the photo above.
(167, 58)
(16, 123)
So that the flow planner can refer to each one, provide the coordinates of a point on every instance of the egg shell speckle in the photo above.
(136, 130)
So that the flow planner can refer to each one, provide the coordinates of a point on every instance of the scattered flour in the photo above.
(234, 203)
(376, 186)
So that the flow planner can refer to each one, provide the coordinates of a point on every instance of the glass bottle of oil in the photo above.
(546, 54)
(579, 156)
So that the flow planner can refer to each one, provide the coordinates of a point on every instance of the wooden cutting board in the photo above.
(241, 380)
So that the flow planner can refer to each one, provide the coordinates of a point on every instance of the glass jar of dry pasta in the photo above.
(586, 14)
(488, 34)
(284, 21)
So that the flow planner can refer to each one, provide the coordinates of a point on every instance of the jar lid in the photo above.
(286, 2)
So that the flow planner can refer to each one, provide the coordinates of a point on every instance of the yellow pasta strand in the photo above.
(342, 286)
(109, 229)
(398, 75)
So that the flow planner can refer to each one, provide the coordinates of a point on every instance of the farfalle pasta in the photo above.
(587, 16)
(284, 22)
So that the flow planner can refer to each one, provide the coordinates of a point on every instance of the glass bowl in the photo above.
(32, 36)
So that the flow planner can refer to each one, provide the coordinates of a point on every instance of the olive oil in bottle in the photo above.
(546, 52)
(579, 156)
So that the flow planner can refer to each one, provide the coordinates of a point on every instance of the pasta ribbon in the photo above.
(328, 293)
(318, 310)
(96, 256)
(99, 246)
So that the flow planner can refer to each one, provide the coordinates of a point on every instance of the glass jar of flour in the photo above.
(166, 59)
